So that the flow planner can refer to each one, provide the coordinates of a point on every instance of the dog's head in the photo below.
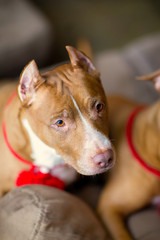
(67, 109)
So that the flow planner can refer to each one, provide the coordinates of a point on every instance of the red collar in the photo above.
(135, 154)
(34, 175)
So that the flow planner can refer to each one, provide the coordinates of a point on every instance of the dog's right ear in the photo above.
(30, 80)
(154, 77)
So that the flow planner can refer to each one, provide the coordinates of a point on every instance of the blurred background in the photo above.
(40, 29)
(106, 23)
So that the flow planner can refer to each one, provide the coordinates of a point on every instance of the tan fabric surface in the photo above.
(37, 212)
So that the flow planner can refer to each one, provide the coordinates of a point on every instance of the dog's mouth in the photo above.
(98, 164)
(95, 171)
(108, 167)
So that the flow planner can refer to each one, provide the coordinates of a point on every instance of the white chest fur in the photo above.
(43, 155)
(47, 159)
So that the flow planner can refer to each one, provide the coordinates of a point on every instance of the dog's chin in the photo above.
(88, 169)
(94, 171)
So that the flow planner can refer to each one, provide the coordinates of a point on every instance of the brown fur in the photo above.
(131, 187)
(41, 102)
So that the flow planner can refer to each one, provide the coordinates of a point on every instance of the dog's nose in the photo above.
(105, 159)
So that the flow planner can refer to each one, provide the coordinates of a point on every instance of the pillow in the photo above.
(45, 213)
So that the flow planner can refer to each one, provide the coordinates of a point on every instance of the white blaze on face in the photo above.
(94, 141)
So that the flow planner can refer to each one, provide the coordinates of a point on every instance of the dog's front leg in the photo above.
(114, 221)
(120, 198)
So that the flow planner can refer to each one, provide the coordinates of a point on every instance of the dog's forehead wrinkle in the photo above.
(71, 78)
(63, 74)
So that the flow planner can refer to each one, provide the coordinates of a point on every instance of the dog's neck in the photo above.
(146, 135)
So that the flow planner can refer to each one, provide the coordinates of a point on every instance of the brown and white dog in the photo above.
(135, 180)
(57, 120)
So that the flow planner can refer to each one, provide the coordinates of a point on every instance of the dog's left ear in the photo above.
(154, 77)
(30, 80)
(79, 59)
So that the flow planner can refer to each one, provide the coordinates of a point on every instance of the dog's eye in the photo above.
(99, 107)
(60, 123)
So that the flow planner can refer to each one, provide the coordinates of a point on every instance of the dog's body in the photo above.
(57, 120)
(131, 186)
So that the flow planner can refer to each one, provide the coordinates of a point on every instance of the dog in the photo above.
(135, 180)
(54, 123)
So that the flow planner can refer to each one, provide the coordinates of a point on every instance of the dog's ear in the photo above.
(79, 59)
(30, 80)
(154, 77)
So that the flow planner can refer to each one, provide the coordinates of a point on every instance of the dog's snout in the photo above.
(105, 159)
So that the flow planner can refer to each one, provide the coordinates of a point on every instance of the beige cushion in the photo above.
(37, 212)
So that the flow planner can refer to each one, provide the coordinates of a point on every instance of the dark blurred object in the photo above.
(156, 5)
(106, 24)
(25, 34)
